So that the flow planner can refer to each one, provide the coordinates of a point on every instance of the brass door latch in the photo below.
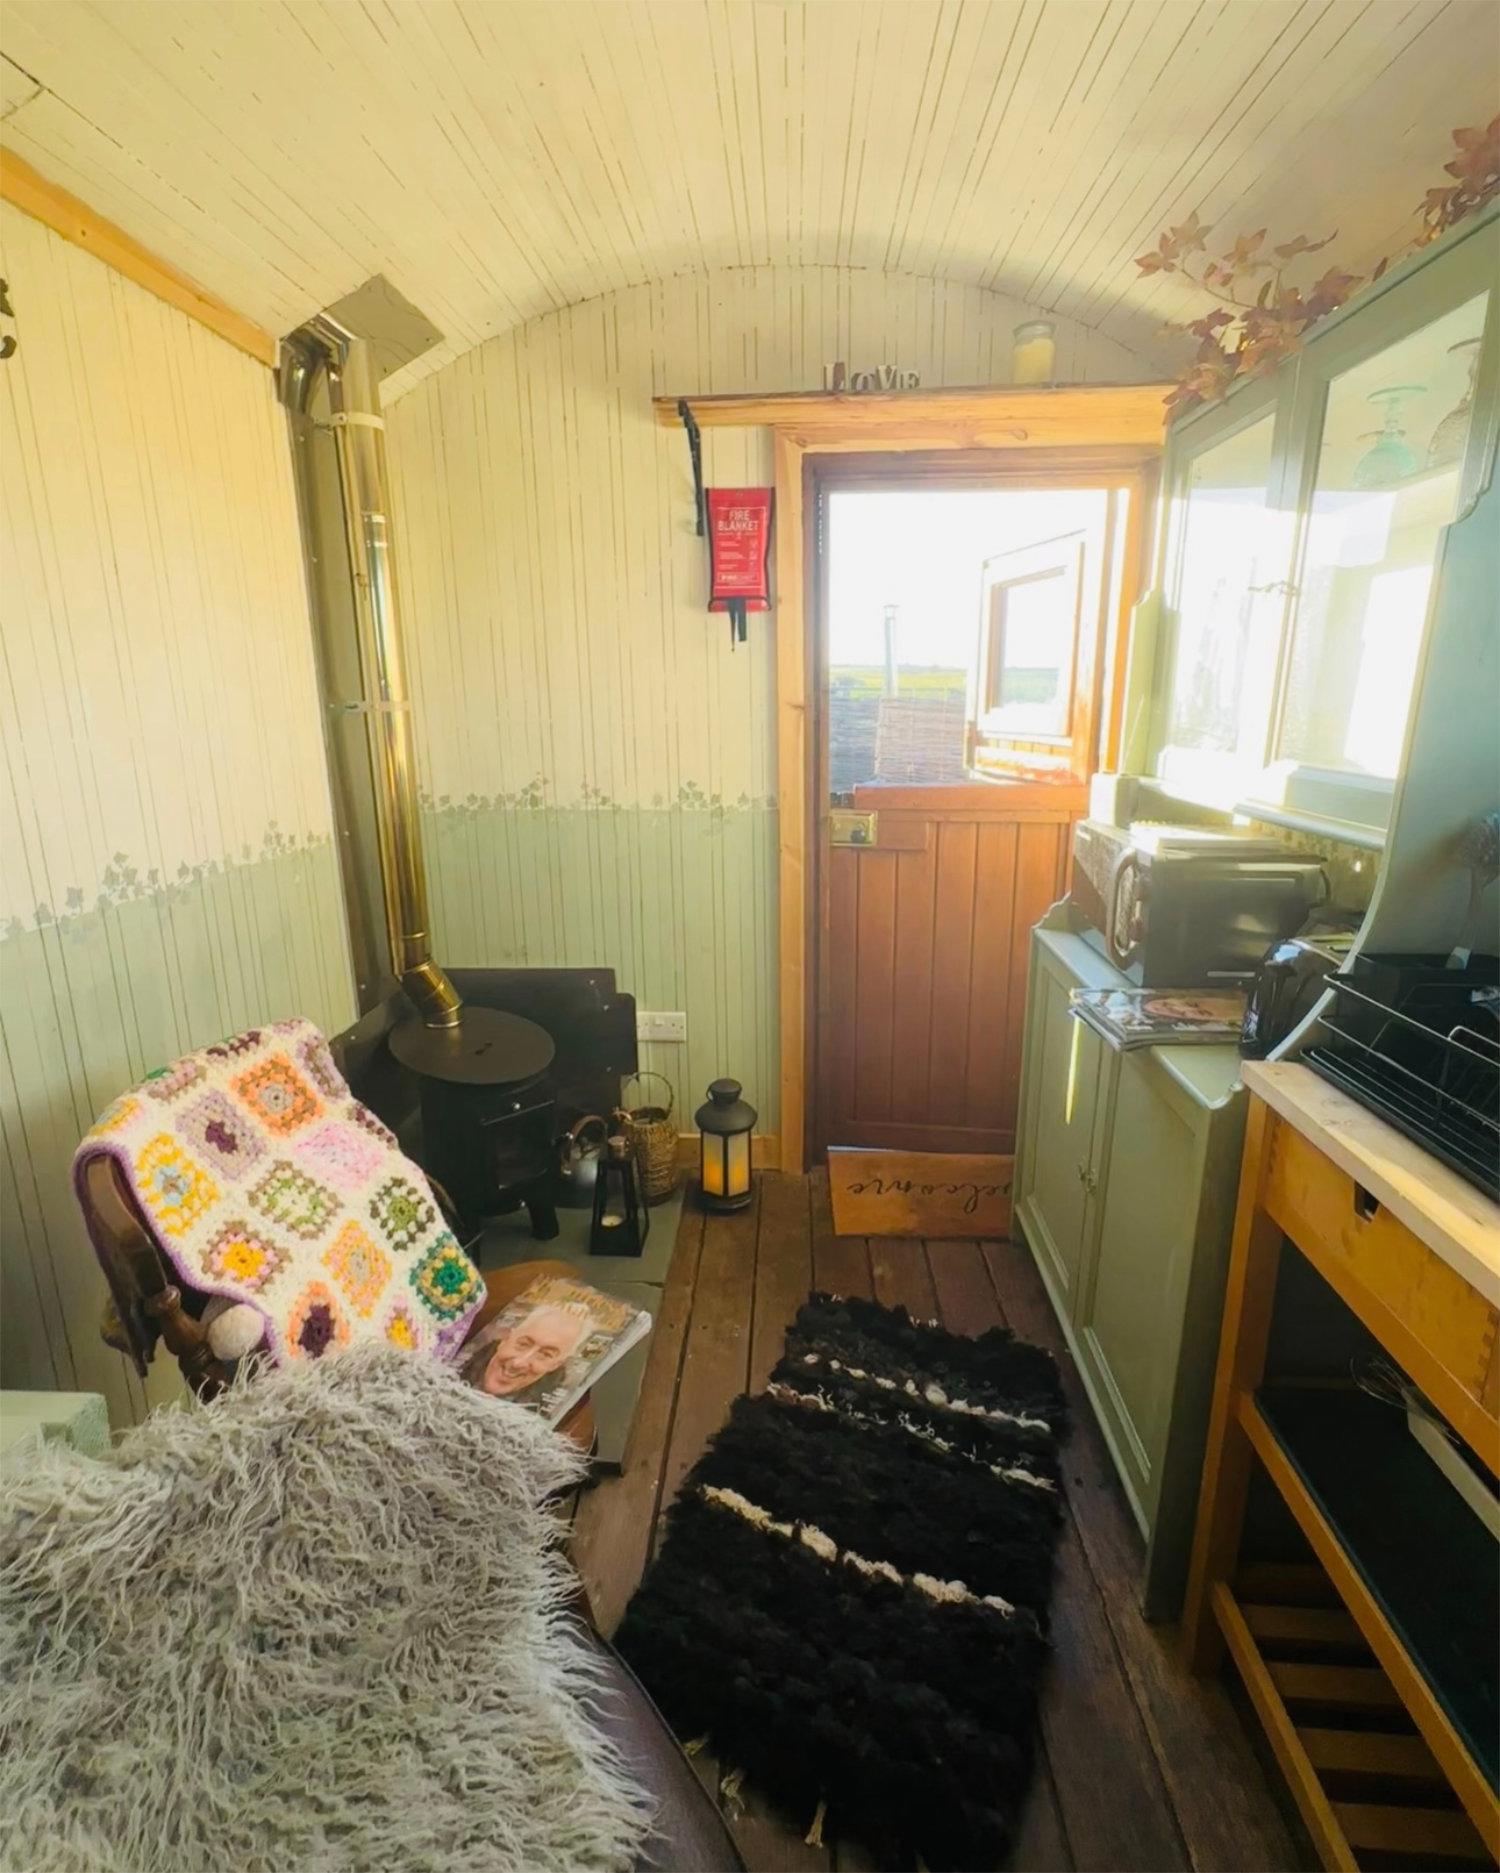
(846, 828)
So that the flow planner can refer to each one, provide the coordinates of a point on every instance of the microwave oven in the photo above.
(1189, 906)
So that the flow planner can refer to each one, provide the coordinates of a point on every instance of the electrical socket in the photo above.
(660, 1027)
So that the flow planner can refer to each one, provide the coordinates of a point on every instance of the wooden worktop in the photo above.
(1443, 1210)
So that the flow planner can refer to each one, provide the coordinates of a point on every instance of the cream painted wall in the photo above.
(167, 873)
(599, 763)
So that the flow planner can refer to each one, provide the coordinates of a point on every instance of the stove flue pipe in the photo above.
(322, 345)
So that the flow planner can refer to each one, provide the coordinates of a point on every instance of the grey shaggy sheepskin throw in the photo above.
(317, 1624)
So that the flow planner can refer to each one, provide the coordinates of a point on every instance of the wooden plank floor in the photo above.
(1140, 1766)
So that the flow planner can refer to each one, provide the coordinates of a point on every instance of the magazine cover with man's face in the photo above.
(546, 1348)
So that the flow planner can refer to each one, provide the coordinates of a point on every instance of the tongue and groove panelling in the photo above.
(168, 871)
(498, 161)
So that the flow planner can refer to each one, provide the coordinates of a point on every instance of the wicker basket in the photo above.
(653, 1139)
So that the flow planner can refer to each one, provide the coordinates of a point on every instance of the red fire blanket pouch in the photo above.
(739, 547)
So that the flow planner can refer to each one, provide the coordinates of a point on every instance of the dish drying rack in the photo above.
(1420, 1044)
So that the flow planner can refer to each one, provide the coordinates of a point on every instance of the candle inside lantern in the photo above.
(620, 1224)
(1033, 358)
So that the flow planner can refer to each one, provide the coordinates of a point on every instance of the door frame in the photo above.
(942, 448)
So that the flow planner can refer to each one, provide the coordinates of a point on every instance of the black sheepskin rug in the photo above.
(851, 1600)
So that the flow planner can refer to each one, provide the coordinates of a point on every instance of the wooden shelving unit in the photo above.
(1363, 1777)
(1374, 1669)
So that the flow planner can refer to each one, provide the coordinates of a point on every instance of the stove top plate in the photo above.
(487, 1048)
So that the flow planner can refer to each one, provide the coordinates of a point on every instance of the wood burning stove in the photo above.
(488, 1111)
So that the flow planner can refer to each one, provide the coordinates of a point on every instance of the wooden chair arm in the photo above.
(146, 1305)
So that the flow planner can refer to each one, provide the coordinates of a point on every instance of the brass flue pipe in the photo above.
(359, 438)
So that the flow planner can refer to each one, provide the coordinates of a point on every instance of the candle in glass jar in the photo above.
(1033, 358)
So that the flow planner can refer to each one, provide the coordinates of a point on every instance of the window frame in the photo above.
(992, 721)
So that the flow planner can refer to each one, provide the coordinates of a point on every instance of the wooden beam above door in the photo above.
(977, 416)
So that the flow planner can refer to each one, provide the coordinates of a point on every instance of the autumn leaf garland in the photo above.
(1261, 319)
(1476, 172)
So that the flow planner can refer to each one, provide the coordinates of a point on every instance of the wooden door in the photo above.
(923, 962)
(924, 932)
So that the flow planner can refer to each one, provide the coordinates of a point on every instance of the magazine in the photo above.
(1160, 1017)
(546, 1348)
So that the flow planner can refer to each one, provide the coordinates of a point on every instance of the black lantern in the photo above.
(725, 1125)
(620, 1221)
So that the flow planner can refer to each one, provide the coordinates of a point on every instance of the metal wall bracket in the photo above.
(695, 449)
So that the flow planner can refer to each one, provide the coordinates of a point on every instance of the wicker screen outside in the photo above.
(920, 738)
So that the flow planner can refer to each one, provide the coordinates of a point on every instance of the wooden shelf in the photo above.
(1413, 1567)
(1364, 1783)
(1002, 416)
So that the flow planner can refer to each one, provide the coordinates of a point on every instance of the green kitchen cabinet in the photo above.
(1125, 1180)
(1069, 1068)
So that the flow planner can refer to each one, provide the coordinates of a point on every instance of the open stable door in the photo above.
(967, 639)
(924, 985)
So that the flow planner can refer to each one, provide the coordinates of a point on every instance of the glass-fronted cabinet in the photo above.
(1386, 480)
(1226, 571)
(1304, 522)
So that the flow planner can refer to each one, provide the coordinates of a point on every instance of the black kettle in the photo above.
(1287, 984)
(578, 1153)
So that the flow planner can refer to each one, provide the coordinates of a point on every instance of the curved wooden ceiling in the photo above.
(499, 160)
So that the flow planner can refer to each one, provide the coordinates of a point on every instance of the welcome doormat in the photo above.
(919, 1193)
(851, 1600)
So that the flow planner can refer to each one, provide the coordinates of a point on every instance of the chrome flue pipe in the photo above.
(323, 347)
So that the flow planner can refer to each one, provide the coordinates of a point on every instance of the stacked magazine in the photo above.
(549, 1345)
(1160, 1017)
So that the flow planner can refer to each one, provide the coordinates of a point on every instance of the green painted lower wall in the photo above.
(679, 900)
(93, 998)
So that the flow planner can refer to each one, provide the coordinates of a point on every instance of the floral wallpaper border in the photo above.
(534, 798)
(122, 882)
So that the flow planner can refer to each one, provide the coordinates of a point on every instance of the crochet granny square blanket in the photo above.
(266, 1180)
